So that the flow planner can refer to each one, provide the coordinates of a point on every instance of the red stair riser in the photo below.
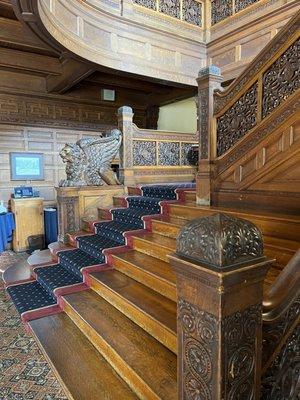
(40, 312)
(115, 250)
(62, 291)
(93, 268)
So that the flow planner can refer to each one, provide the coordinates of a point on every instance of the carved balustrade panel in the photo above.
(281, 79)
(220, 9)
(146, 3)
(192, 12)
(189, 11)
(170, 7)
(162, 153)
(274, 332)
(241, 4)
(144, 153)
(281, 381)
(169, 153)
(237, 120)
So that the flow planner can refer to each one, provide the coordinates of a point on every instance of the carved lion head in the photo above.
(71, 153)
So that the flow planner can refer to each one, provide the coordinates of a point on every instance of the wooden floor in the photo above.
(118, 339)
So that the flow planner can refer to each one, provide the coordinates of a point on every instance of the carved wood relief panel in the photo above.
(220, 9)
(161, 153)
(282, 79)
(189, 11)
(237, 121)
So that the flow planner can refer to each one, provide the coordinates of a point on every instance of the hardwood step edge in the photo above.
(155, 282)
(154, 327)
(126, 372)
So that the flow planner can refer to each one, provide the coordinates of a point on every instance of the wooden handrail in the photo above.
(284, 291)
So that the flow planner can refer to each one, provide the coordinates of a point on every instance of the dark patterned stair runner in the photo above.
(35, 295)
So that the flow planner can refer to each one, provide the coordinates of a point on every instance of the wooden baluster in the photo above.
(220, 268)
(125, 117)
(208, 80)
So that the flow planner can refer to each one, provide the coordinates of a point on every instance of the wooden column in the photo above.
(125, 117)
(208, 80)
(220, 269)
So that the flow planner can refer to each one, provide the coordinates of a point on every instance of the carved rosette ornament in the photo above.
(220, 269)
(220, 240)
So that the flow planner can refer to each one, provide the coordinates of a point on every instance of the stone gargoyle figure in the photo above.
(88, 161)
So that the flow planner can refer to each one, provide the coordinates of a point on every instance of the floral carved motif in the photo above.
(281, 381)
(199, 335)
(282, 79)
(237, 121)
(239, 352)
(170, 7)
(241, 4)
(169, 153)
(146, 3)
(192, 12)
(220, 9)
(220, 240)
(144, 152)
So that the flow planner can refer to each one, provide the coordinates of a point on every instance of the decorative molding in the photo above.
(220, 241)
(203, 122)
(16, 109)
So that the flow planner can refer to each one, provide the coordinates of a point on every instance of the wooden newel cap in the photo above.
(220, 241)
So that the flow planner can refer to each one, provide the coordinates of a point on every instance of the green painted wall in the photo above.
(180, 116)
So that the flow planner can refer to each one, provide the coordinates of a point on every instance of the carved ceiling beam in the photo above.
(73, 72)
(23, 60)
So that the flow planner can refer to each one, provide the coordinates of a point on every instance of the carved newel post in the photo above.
(220, 268)
(209, 79)
(125, 117)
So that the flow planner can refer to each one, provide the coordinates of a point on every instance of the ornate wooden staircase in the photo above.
(118, 339)
(164, 316)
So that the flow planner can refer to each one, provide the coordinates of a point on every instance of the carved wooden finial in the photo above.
(220, 241)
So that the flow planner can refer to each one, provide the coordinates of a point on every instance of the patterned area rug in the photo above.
(24, 372)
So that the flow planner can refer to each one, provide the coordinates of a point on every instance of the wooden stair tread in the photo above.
(139, 358)
(157, 239)
(152, 311)
(254, 213)
(149, 264)
(84, 373)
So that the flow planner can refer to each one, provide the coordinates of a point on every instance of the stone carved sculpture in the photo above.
(88, 161)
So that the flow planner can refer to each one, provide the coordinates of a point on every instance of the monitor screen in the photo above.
(26, 166)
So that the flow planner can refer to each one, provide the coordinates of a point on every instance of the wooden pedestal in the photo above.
(76, 203)
(29, 218)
